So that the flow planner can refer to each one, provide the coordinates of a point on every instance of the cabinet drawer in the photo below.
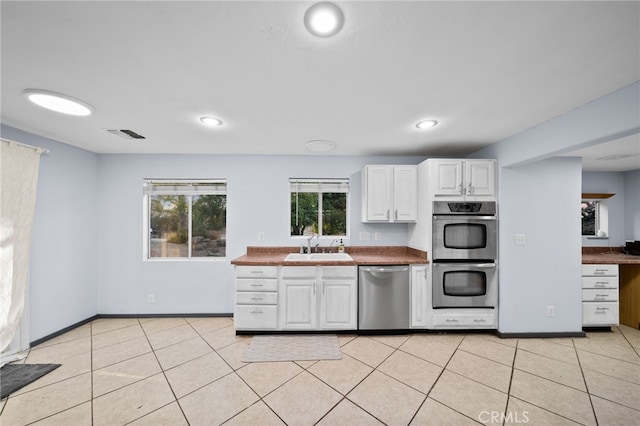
(298, 272)
(258, 298)
(464, 320)
(600, 282)
(257, 271)
(338, 272)
(600, 270)
(596, 313)
(256, 317)
(247, 284)
(596, 295)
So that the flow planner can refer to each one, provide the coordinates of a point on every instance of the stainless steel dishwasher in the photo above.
(383, 297)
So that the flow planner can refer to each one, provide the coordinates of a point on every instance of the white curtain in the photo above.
(18, 181)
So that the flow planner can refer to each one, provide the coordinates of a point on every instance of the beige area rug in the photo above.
(292, 347)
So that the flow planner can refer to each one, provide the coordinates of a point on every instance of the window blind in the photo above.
(184, 187)
(319, 185)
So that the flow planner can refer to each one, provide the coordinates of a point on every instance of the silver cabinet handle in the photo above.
(396, 214)
(451, 320)
(256, 298)
(600, 284)
(256, 285)
(256, 311)
(479, 320)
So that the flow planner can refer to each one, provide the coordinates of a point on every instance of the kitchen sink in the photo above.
(318, 257)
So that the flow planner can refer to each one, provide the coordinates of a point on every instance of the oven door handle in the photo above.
(457, 218)
(474, 265)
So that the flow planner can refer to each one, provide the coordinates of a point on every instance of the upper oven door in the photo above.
(464, 237)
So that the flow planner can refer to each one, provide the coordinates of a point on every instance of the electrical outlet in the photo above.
(260, 236)
(151, 298)
(551, 311)
(521, 239)
(365, 236)
(377, 236)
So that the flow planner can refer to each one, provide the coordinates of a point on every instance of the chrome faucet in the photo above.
(309, 242)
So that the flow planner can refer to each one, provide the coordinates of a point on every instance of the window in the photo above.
(595, 221)
(185, 218)
(319, 206)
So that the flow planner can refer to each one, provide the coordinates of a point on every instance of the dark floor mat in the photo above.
(16, 376)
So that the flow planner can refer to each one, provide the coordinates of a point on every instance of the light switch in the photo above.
(521, 239)
(365, 236)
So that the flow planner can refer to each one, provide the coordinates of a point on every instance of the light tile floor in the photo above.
(187, 371)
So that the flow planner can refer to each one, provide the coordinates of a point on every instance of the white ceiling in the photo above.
(485, 70)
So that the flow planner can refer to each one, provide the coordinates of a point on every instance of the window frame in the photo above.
(601, 219)
(146, 218)
(343, 184)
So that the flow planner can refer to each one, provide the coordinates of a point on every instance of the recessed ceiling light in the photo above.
(324, 19)
(320, 146)
(58, 102)
(426, 124)
(211, 121)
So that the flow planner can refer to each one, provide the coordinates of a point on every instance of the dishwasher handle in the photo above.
(385, 268)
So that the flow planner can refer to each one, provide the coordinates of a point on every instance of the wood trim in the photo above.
(630, 295)
(596, 196)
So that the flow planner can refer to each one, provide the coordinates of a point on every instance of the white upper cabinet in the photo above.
(463, 179)
(389, 193)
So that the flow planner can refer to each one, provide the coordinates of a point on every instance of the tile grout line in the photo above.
(233, 371)
(586, 385)
(163, 374)
(91, 366)
(360, 382)
(513, 367)
(438, 379)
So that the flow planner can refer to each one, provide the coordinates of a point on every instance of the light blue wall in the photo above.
(539, 196)
(632, 205)
(611, 117)
(257, 201)
(546, 271)
(63, 248)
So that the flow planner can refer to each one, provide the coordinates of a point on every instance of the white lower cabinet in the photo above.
(600, 295)
(318, 298)
(420, 296)
(256, 306)
(338, 297)
(298, 298)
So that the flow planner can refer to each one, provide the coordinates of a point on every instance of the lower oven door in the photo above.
(465, 285)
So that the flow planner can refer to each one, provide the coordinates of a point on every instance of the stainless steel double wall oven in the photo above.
(464, 254)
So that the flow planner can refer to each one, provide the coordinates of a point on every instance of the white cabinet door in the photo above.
(338, 304)
(405, 193)
(447, 177)
(298, 305)
(459, 179)
(420, 296)
(480, 177)
(378, 190)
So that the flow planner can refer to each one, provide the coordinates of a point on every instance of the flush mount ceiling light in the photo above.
(320, 146)
(58, 102)
(426, 124)
(324, 19)
(207, 120)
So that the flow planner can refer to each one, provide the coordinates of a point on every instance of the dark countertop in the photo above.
(362, 255)
(608, 255)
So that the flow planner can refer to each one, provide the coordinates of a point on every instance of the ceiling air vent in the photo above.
(126, 134)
